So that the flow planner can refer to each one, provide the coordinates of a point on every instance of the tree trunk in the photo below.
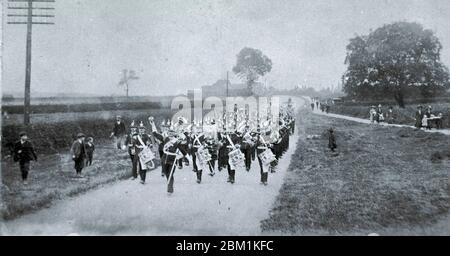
(250, 86)
(400, 99)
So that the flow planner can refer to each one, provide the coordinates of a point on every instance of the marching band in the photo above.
(234, 145)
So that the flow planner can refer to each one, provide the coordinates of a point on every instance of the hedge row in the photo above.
(63, 108)
(57, 137)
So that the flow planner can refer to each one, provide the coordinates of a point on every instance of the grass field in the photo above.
(403, 116)
(51, 177)
(381, 177)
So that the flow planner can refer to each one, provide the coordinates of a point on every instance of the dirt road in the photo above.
(214, 207)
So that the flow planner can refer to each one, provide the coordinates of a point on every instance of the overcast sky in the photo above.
(178, 45)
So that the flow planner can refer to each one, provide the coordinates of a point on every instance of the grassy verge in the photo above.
(52, 178)
(403, 115)
(381, 177)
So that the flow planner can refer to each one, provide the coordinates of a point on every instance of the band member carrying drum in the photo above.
(173, 151)
(265, 156)
(198, 140)
(140, 140)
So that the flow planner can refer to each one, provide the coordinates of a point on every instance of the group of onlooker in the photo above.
(322, 106)
(376, 114)
(424, 119)
(82, 154)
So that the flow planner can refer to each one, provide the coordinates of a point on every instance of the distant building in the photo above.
(220, 89)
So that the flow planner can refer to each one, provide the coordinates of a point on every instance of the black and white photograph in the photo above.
(255, 118)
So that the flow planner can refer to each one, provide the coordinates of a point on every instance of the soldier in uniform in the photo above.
(197, 140)
(172, 152)
(160, 140)
(262, 146)
(128, 141)
(183, 136)
(212, 147)
(223, 151)
(235, 140)
(140, 140)
(247, 145)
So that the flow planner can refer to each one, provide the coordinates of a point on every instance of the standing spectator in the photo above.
(331, 140)
(428, 114)
(372, 114)
(327, 108)
(419, 117)
(380, 114)
(79, 154)
(390, 117)
(119, 132)
(24, 153)
(312, 106)
(90, 147)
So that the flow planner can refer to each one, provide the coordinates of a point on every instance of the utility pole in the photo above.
(17, 17)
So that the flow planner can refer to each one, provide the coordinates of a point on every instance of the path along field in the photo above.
(389, 180)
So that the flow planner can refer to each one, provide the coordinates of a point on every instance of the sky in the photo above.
(179, 45)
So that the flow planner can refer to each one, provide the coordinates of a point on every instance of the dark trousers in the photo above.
(135, 166)
(194, 161)
(199, 175)
(167, 169)
(248, 158)
(24, 169)
(79, 165)
(231, 174)
(264, 175)
(142, 173)
(161, 153)
(89, 157)
(138, 168)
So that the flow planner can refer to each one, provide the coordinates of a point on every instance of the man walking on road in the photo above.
(24, 153)
(79, 154)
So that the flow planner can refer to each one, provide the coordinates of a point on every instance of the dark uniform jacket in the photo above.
(213, 148)
(197, 141)
(172, 148)
(137, 145)
(26, 154)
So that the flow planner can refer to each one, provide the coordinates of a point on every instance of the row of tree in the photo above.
(397, 61)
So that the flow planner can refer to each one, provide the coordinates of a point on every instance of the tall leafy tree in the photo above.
(251, 65)
(399, 61)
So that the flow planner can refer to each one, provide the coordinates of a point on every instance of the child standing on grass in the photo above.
(89, 147)
(331, 140)
(425, 122)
